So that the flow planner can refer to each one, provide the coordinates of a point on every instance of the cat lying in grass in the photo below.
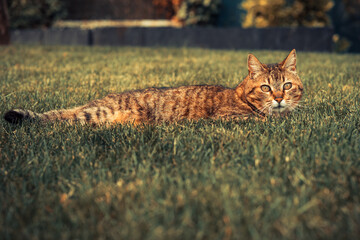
(268, 89)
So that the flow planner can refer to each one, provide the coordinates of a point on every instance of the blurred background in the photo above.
(342, 17)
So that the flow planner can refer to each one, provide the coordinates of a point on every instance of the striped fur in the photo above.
(155, 105)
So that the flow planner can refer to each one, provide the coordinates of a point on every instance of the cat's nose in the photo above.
(278, 99)
(278, 96)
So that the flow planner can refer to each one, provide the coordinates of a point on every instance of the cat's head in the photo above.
(273, 88)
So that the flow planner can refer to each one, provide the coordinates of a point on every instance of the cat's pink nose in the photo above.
(278, 99)
(278, 96)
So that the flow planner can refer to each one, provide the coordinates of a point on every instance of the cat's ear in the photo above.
(289, 62)
(254, 65)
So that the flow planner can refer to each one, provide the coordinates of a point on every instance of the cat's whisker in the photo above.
(267, 106)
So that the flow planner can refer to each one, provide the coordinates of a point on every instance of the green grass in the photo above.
(290, 178)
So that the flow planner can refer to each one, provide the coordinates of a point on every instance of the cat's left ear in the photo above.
(290, 62)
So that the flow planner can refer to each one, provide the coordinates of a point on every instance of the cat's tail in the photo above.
(17, 116)
(94, 113)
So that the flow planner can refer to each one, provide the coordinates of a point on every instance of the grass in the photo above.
(290, 178)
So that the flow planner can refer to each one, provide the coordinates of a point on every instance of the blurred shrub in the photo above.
(198, 12)
(35, 13)
(346, 22)
(171, 7)
(271, 13)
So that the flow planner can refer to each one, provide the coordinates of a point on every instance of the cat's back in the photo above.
(181, 89)
(171, 104)
(191, 91)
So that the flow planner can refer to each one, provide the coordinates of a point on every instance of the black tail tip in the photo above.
(14, 117)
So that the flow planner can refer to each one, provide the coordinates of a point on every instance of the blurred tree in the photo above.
(199, 12)
(346, 21)
(230, 14)
(171, 7)
(271, 13)
(119, 9)
(34, 13)
(4, 23)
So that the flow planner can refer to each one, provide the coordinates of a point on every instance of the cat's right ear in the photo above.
(289, 62)
(255, 67)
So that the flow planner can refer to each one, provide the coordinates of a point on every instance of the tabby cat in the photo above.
(267, 90)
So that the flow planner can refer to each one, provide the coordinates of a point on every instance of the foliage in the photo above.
(169, 6)
(290, 178)
(271, 13)
(346, 22)
(35, 13)
(199, 12)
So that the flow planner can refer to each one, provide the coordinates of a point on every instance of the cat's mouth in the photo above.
(278, 109)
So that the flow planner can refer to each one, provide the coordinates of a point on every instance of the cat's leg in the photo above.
(128, 117)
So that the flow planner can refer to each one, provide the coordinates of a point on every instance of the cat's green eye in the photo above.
(265, 88)
(287, 86)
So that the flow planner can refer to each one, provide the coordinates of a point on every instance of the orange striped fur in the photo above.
(268, 89)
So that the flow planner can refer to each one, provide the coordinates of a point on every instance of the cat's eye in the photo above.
(265, 88)
(287, 86)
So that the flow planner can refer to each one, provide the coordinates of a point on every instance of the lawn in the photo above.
(291, 178)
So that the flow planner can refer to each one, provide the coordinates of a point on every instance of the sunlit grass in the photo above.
(291, 178)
